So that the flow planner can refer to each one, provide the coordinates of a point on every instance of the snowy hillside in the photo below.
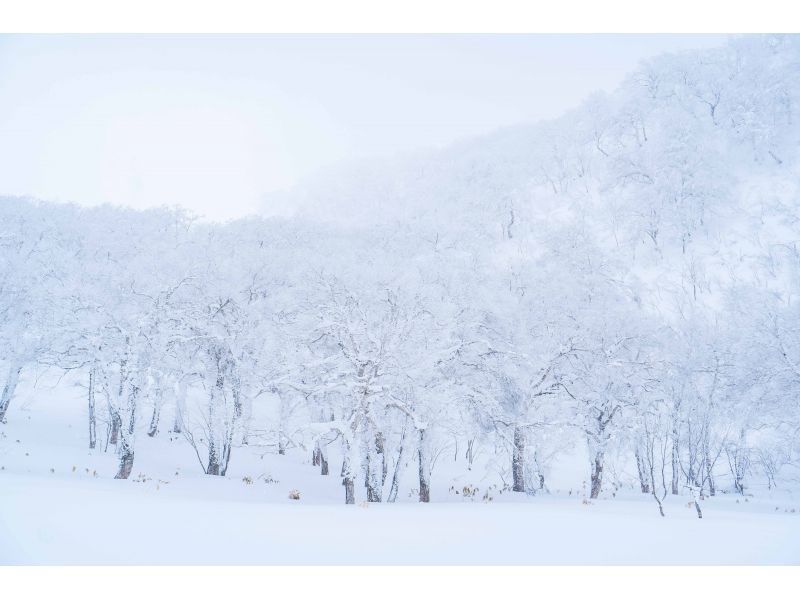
(578, 340)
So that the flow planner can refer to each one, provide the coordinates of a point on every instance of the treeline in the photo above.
(626, 276)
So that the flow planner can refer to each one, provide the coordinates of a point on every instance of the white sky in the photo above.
(213, 123)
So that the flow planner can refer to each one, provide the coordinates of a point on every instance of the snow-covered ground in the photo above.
(59, 504)
(60, 520)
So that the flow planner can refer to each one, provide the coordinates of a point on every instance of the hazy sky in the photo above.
(215, 122)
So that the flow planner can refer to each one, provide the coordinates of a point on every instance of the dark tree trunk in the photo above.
(180, 406)
(348, 476)
(116, 424)
(539, 470)
(125, 464)
(315, 455)
(92, 418)
(640, 467)
(241, 422)
(126, 436)
(177, 426)
(217, 390)
(132, 409)
(154, 420)
(424, 473)
(349, 491)
(518, 461)
(376, 469)
(373, 494)
(8, 391)
(395, 487)
(323, 462)
(675, 459)
(213, 460)
(470, 456)
(597, 474)
(710, 476)
(281, 424)
(226, 455)
(708, 463)
(380, 448)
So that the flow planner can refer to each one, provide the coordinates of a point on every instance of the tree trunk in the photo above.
(240, 422)
(380, 445)
(226, 454)
(114, 409)
(376, 469)
(347, 474)
(675, 459)
(424, 472)
(597, 474)
(349, 491)
(323, 462)
(116, 424)
(395, 487)
(708, 462)
(154, 420)
(213, 459)
(8, 390)
(281, 424)
(641, 469)
(180, 408)
(315, 455)
(518, 460)
(710, 476)
(92, 418)
(539, 470)
(132, 411)
(125, 462)
(213, 467)
(470, 456)
(126, 434)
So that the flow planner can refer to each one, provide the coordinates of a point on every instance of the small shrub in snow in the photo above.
(294, 495)
(469, 491)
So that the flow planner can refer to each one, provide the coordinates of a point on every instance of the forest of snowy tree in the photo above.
(624, 280)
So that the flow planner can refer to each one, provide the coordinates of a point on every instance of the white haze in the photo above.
(216, 123)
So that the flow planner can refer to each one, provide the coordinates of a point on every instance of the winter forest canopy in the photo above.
(620, 284)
